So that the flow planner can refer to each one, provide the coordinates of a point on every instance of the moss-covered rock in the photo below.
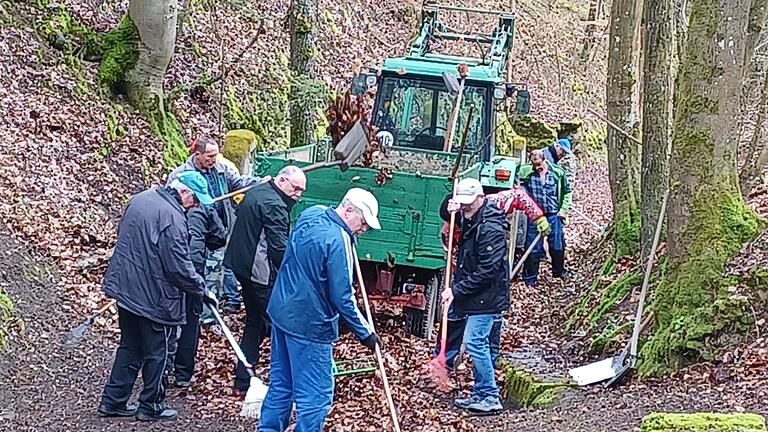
(120, 54)
(525, 390)
(702, 422)
(238, 145)
(537, 133)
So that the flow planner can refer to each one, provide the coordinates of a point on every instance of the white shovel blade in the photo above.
(594, 372)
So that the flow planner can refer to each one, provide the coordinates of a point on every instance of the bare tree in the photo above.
(623, 154)
(708, 220)
(659, 47)
(303, 22)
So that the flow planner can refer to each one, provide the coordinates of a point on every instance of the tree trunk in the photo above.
(659, 18)
(755, 157)
(758, 12)
(623, 154)
(589, 37)
(155, 21)
(303, 23)
(708, 220)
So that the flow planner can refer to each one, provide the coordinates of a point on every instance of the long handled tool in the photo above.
(387, 392)
(613, 368)
(524, 257)
(347, 152)
(76, 335)
(257, 391)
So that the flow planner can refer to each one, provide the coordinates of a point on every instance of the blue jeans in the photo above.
(455, 336)
(300, 371)
(229, 293)
(476, 335)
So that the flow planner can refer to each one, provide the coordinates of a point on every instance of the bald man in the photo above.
(255, 253)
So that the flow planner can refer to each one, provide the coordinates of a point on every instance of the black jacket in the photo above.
(206, 232)
(481, 279)
(150, 270)
(258, 239)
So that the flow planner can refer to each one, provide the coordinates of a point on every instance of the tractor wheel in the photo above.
(421, 323)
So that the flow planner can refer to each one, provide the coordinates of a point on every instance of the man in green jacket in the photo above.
(548, 185)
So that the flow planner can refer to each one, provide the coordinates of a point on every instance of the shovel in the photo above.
(347, 152)
(613, 368)
(76, 335)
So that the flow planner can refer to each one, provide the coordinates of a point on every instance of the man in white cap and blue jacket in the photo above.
(313, 289)
(149, 274)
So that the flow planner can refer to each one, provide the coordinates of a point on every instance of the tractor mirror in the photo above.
(523, 104)
(364, 81)
(452, 83)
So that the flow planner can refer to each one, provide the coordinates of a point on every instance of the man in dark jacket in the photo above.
(313, 289)
(206, 233)
(256, 251)
(149, 275)
(480, 287)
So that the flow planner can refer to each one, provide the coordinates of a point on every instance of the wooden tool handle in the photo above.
(105, 307)
(524, 257)
(379, 358)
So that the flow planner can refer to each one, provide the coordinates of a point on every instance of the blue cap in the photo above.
(197, 184)
(565, 143)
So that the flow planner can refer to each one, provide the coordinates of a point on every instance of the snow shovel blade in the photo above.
(602, 370)
(351, 147)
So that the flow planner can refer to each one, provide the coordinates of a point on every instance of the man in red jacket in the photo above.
(508, 201)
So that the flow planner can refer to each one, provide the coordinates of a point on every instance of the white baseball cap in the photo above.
(468, 190)
(367, 203)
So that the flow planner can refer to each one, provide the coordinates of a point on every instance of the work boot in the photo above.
(230, 308)
(182, 383)
(105, 411)
(164, 415)
(488, 405)
(464, 403)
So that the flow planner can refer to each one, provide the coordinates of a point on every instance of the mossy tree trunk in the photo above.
(155, 21)
(659, 46)
(708, 220)
(623, 154)
(303, 23)
(755, 156)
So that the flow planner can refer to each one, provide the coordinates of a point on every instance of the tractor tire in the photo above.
(421, 323)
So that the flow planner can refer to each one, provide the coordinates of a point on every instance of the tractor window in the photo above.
(415, 113)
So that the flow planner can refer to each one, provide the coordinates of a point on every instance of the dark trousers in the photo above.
(144, 346)
(186, 350)
(257, 327)
(556, 242)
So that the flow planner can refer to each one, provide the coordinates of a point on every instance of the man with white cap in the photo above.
(480, 286)
(313, 288)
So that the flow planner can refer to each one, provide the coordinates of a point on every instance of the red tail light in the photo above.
(503, 174)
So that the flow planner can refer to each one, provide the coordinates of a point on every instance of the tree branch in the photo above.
(614, 126)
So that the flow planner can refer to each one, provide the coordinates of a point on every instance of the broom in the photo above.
(257, 391)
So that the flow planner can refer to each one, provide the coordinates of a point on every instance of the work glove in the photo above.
(209, 298)
(371, 341)
(453, 206)
(542, 225)
(563, 217)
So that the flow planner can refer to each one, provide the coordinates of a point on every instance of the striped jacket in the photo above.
(314, 285)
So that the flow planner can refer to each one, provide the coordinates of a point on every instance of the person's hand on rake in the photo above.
(542, 226)
(453, 206)
(371, 341)
(447, 296)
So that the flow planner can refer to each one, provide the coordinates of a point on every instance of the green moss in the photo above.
(524, 389)
(537, 133)
(626, 232)
(548, 397)
(6, 315)
(580, 311)
(120, 55)
(609, 335)
(165, 126)
(613, 294)
(238, 144)
(694, 312)
(66, 33)
(702, 422)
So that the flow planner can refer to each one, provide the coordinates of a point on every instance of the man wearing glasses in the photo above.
(255, 253)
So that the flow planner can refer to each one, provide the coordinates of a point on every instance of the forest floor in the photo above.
(51, 388)
(72, 156)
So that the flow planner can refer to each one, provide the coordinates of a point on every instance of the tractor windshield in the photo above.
(414, 113)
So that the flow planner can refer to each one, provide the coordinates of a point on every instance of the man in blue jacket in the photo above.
(149, 274)
(313, 288)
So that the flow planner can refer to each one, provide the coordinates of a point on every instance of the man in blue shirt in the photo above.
(313, 288)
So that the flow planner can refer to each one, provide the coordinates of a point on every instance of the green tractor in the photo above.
(419, 105)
